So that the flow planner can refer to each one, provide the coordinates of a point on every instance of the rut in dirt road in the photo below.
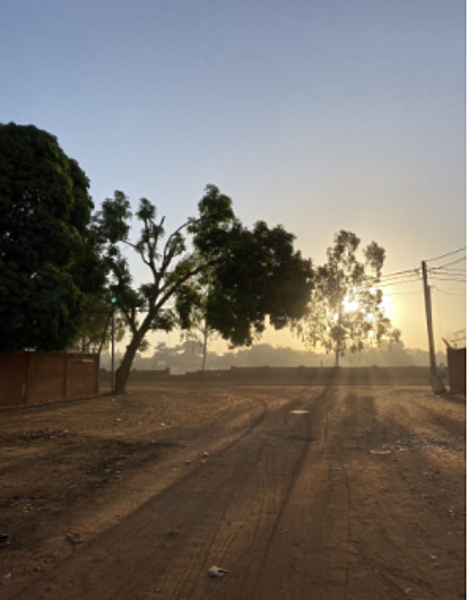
(258, 508)
(294, 502)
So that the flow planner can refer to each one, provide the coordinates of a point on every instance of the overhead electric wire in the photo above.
(440, 273)
(444, 278)
(448, 264)
(384, 284)
(444, 255)
(405, 273)
(407, 293)
(450, 272)
(397, 280)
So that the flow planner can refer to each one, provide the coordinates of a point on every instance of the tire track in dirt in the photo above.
(259, 506)
(259, 560)
(227, 528)
(132, 532)
(401, 567)
(389, 559)
(308, 546)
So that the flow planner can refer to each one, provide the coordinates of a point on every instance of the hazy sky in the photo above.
(318, 114)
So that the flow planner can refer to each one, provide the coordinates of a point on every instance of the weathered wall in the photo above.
(456, 359)
(290, 375)
(46, 377)
(82, 375)
(36, 377)
(13, 379)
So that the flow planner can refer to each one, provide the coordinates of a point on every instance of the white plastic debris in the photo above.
(380, 451)
(215, 571)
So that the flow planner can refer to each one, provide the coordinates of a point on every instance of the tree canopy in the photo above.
(346, 311)
(49, 260)
(255, 274)
(198, 329)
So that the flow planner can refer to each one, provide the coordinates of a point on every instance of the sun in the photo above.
(350, 305)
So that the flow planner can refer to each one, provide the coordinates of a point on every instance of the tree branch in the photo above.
(173, 289)
(130, 320)
(168, 253)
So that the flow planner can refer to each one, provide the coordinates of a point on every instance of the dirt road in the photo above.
(298, 492)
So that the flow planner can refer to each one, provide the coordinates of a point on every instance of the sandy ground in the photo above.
(360, 495)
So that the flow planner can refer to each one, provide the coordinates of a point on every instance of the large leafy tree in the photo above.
(346, 311)
(94, 333)
(198, 328)
(49, 259)
(254, 274)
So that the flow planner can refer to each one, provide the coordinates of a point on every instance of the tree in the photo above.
(346, 312)
(49, 259)
(199, 329)
(94, 332)
(255, 274)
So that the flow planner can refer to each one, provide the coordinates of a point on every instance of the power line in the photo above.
(455, 279)
(448, 272)
(396, 280)
(408, 293)
(406, 273)
(440, 273)
(384, 284)
(448, 264)
(444, 255)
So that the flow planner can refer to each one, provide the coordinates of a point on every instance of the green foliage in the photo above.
(346, 312)
(49, 257)
(263, 276)
(95, 331)
(253, 274)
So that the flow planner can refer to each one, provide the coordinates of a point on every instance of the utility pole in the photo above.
(436, 382)
(430, 332)
(113, 301)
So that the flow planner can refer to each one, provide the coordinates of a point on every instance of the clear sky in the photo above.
(318, 114)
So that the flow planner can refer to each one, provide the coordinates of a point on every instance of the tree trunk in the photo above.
(337, 358)
(123, 372)
(205, 347)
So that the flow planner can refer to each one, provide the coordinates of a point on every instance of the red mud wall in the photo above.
(13, 379)
(82, 375)
(46, 377)
(37, 377)
(456, 359)
(290, 375)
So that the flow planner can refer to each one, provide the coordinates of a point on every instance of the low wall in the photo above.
(288, 375)
(37, 377)
(456, 359)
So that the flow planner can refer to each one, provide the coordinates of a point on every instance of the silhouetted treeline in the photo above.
(188, 356)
